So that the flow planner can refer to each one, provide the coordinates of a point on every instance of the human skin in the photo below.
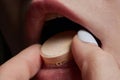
(93, 64)
(101, 17)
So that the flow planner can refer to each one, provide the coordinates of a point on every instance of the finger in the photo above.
(94, 63)
(23, 66)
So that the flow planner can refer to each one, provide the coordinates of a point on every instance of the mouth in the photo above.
(46, 18)
(42, 21)
(40, 26)
(57, 25)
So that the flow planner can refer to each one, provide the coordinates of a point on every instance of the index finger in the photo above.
(23, 66)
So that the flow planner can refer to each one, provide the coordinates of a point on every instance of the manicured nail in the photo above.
(86, 37)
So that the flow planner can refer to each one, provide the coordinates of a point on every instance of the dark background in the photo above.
(12, 14)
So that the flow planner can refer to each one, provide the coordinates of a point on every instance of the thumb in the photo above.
(94, 63)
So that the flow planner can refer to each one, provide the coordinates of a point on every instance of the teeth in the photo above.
(52, 16)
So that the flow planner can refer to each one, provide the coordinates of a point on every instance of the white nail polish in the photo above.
(86, 37)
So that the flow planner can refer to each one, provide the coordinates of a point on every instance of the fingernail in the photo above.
(86, 37)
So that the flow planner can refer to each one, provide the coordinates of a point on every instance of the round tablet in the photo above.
(56, 50)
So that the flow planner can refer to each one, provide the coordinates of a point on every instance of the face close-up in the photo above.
(44, 19)
(24, 23)
(25, 19)
(42, 11)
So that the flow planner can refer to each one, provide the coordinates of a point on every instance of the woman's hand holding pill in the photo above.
(94, 62)
(91, 63)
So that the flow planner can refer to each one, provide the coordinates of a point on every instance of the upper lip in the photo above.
(37, 12)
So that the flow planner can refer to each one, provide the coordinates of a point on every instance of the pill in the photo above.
(56, 50)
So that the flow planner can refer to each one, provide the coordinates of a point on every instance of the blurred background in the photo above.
(12, 16)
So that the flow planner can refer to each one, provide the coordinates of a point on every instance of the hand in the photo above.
(93, 64)
(100, 17)
(23, 66)
(27, 64)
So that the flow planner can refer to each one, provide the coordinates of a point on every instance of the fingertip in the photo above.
(82, 50)
(25, 64)
(35, 47)
(32, 58)
(93, 62)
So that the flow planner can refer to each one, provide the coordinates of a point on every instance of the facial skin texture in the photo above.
(101, 17)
